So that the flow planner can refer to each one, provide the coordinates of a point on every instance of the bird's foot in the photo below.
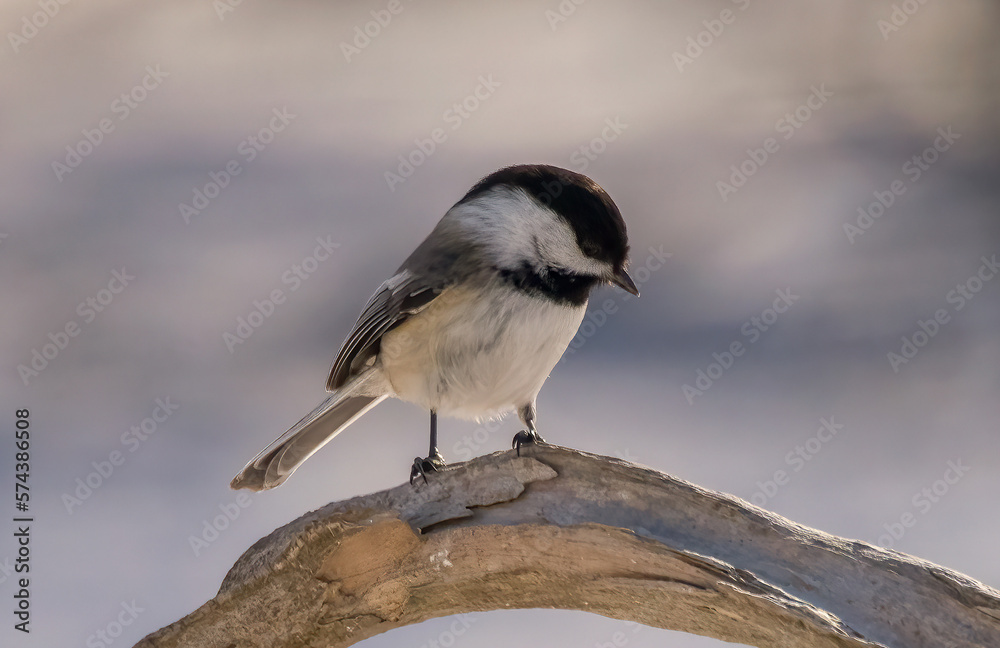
(421, 467)
(525, 437)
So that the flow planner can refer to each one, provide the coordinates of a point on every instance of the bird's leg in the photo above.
(434, 460)
(434, 435)
(529, 435)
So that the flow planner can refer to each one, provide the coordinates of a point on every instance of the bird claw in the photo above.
(421, 467)
(525, 437)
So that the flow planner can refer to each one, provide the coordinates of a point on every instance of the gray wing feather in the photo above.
(403, 295)
(444, 257)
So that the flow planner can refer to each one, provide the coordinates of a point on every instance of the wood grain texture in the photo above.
(557, 528)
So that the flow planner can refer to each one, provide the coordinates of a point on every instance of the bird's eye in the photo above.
(590, 248)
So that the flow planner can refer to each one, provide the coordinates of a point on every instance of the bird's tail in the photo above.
(280, 459)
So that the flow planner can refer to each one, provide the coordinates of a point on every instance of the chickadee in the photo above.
(475, 319)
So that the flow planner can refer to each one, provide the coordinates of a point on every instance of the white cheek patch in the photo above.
(517, 228)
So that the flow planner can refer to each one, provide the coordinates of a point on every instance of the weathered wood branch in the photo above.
(556, 528)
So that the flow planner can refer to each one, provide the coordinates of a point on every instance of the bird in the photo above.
(475, 319)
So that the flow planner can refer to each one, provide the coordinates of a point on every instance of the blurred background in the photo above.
(815, 183)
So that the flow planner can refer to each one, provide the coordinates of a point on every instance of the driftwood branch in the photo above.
(556, 528)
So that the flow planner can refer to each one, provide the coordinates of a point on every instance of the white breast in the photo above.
(472, 357)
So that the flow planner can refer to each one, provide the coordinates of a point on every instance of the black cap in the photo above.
(581, 202)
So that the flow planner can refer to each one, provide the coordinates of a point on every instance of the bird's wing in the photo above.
(403, 295)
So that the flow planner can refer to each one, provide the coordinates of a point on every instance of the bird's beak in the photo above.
(623, 281)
